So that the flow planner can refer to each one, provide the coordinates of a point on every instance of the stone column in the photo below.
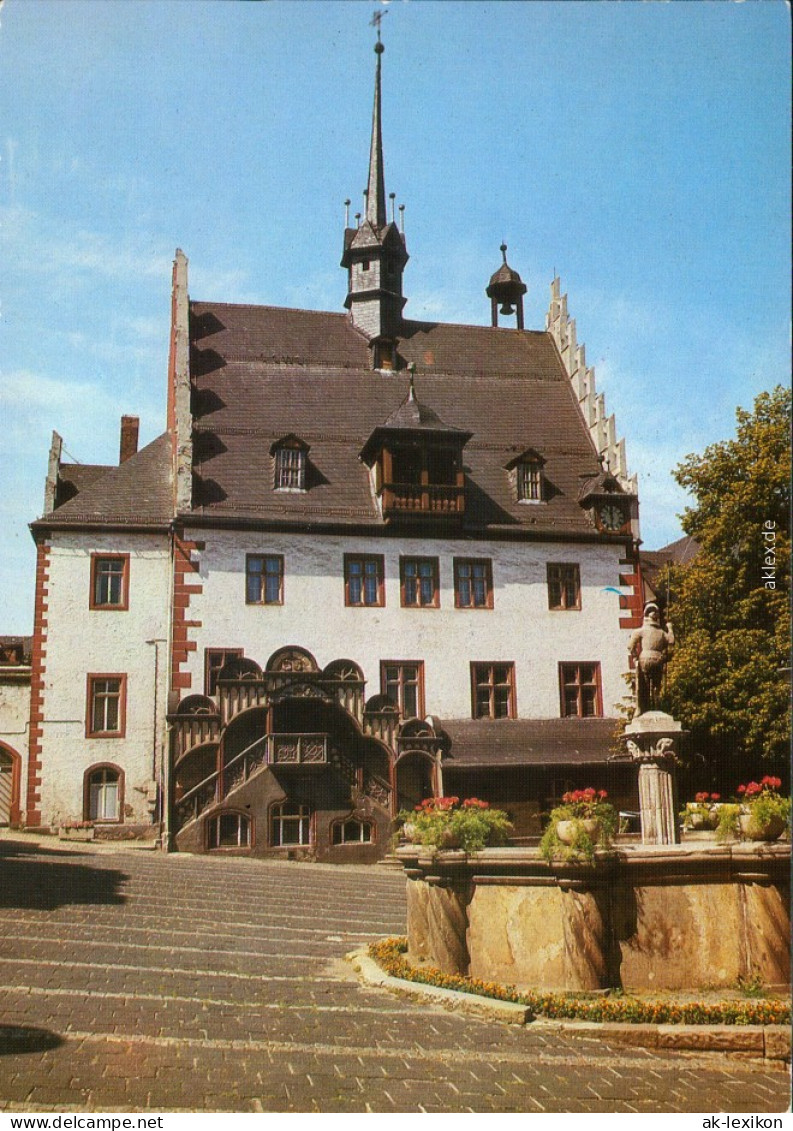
(657, 804)
(653, 741)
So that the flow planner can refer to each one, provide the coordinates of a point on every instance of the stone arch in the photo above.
(103, 793)
(292, 659)
(416, 728)
(196, 705)
(10, 785)
(346, 670)
(379, 704)
(240, 667)
(415, 778)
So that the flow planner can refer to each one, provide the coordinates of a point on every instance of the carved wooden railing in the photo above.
(423, 498)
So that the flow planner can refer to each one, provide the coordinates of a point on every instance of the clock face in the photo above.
(612, 517)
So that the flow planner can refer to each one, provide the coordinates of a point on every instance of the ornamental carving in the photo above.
(659, 750)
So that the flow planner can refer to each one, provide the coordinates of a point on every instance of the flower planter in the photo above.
(702, 820)
(752, 829)
(82, 835)
(567, 831)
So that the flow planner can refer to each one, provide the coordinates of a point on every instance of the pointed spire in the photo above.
(375, 196)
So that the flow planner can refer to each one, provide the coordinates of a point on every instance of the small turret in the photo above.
(375, 254)
(506, 290)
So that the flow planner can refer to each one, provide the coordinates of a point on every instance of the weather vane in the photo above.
(376, 20)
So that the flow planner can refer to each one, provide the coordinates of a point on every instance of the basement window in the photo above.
(229, 830)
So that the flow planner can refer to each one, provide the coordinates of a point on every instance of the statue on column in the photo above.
(651, 647)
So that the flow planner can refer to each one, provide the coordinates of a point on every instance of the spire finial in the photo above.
(375, 22)
(504, 251)
(375, 201)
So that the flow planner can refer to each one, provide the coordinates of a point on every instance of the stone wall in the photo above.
(641, 917)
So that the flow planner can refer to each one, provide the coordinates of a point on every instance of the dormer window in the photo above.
(530, 482)
(527, 476)
(291, 459)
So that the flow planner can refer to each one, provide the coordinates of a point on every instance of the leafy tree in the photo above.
(727, 680)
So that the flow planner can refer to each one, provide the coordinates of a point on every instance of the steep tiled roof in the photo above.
(513, 742)
(136, 492)
(262, 372)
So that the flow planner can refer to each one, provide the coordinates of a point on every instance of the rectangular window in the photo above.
(493, 691)
(290, 469)
(419, 583)
(530, 482)
(214, 659)
(363, 580)
(580, 690)
(473, 583)
(264, 579)
(290, 823)
(105, 716)
(403, 682)
(109, 581)
(564, 586)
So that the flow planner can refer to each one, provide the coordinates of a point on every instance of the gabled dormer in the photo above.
(527, 477)
(290, 462)
(416, 463)
(609, 506)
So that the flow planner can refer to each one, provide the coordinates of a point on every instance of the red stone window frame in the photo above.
(102, 690)
(473, 583)
(214, 659)
(564, 586)
(364, 581)
(104, 768)
(580, 691)
(493, 690)
(104, 576)
(264, 585)
(419, 583)
(402, 681)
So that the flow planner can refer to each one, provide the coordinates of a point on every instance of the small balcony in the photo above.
(420, 499)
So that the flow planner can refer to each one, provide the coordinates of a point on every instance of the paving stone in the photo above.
(181, 984)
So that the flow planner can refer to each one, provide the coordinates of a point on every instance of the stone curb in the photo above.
(373, 975)
(772, 1042)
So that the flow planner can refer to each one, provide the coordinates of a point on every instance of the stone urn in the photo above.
(702, 821)
(753, 829)
(566, 831)
(449, 839)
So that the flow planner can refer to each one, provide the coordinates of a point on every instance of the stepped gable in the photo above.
(261, 373)
(134, 493)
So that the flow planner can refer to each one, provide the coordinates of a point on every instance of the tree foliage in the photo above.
(730, 607)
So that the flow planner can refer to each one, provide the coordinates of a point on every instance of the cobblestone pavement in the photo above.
(133, 981)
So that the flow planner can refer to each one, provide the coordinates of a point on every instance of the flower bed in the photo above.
(390, 955)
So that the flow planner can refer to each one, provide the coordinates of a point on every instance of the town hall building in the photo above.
(370, 560)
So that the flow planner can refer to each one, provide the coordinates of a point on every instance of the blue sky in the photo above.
(641, 150)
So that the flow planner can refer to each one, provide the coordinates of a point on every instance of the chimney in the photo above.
(129, 438)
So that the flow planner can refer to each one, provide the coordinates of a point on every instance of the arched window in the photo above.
(103, 793)
(229, 830)
(351, 832)
(290, 823)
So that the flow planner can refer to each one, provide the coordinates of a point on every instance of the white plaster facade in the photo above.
(81, 641)
(519, 628)
(14, 731)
